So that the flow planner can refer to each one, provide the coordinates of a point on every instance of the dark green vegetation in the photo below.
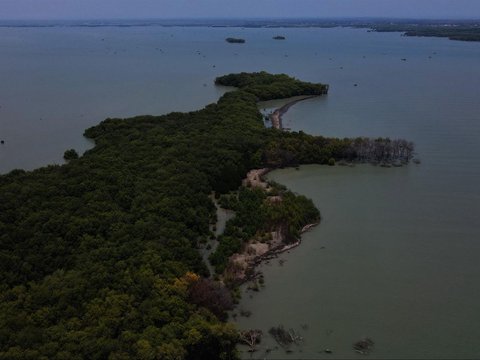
(257, 216)
(292, 149)
(235, 40)
(95, 252)
(267, 86)
(99, 256)
(463, 32)
(70, 155)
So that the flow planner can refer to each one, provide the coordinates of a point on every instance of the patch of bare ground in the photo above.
(276, 116)
(262, 247)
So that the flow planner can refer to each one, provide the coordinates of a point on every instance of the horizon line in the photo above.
(248, 18)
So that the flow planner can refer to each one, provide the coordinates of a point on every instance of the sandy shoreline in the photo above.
(242, 265)
(276, 116)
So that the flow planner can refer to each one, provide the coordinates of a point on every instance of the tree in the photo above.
(70, 154)
(251, 338)
(212, 295)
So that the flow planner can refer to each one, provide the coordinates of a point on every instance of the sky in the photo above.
(125, 9)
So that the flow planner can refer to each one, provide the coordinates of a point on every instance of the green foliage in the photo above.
(94, 253)
(91, 249)
(70, 154)
(228, 201)
(292, 148)
(456, 31)
(249, 218)
(257, 215)
(266, 86)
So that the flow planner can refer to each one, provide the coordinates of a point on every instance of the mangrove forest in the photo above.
(99, 257)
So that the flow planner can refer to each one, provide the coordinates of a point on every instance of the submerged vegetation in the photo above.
(99, 257)
(364, 346)
(283, 337)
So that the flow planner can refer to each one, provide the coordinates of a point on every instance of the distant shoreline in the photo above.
(453, 29)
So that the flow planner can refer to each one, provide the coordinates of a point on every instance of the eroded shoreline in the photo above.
(276, 116)
(244, 263)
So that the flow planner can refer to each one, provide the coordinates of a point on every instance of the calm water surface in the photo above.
(396, 255)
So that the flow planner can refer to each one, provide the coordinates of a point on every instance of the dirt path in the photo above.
(276, 116)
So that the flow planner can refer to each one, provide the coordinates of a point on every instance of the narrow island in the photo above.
(100, 256)
(279, 37)
(235, 40)
(453, 30)
(276, 116)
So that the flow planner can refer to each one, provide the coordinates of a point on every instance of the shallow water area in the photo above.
(382, 264)
(395, 257)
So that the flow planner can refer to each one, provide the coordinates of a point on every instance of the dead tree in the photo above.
(285, 338)
(251, 338)
(364, 346)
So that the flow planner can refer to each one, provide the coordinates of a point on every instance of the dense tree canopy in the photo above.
(256, 216)
(266, 86)
(99, 258)
(463, 31)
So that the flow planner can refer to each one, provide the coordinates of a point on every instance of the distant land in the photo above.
(235, 40)
(454, 29)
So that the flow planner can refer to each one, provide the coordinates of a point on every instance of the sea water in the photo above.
(395, 257)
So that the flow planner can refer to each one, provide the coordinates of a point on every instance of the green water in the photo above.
(393, 259)
(401, 245)
(58, 81)
(396, 255)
